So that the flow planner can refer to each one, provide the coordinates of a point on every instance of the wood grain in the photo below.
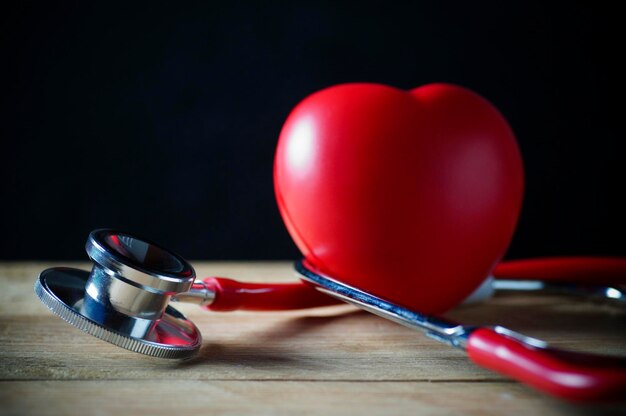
(336, 359)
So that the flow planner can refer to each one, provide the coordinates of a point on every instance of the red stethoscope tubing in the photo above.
(569, 375)
(584, 269)
(233, 295)
(574, 376)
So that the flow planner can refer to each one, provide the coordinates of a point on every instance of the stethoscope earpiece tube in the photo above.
(566, 374)
(584, 269)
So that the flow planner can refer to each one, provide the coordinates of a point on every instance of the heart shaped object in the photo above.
(410, 196)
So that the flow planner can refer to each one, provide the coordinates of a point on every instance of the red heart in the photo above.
(410, 196)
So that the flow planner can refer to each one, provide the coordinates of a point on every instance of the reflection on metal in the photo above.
(62, 290)
(562, 288)
(124, 299)
(442, 330)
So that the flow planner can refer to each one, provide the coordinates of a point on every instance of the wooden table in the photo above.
(335, 360)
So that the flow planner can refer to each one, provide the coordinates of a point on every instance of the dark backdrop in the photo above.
(161, 118)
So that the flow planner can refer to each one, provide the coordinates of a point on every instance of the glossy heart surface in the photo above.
(410, 196)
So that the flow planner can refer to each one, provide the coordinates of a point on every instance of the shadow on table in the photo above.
(260, 355)
(544, 316)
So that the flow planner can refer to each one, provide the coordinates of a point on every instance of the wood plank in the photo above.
(155, 398)
(327, 359)
(337, 343)
(345, 346)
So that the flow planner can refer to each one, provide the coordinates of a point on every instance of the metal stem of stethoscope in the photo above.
(443, 330)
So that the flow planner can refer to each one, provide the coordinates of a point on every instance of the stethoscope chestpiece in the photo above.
(124, 299)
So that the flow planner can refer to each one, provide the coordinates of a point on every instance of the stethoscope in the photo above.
(125, 300)
(401, 202)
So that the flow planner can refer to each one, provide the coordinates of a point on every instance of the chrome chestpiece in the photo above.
(124, 299)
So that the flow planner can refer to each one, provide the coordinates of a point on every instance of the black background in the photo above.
(161, 119)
